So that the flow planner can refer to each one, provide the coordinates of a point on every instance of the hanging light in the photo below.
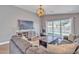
(40, 11)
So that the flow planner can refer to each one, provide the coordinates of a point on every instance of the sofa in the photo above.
(19, 45)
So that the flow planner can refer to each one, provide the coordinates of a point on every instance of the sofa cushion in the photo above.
(37, 50)
(21, 44)
(62, 49)
(71, 37)
(76, 41)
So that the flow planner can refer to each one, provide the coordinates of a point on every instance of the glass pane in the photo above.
(56, 27)
(66, 27)
(49, 28)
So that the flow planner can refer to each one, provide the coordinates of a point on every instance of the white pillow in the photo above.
(71, 37)
(23, 37)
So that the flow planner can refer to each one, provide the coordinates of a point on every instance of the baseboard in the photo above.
(6, 42)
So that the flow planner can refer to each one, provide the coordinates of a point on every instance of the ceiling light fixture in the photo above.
(40, 11)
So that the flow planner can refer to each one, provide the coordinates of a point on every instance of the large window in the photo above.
(59, 27)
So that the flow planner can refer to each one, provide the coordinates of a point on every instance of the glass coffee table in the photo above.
(49, 40)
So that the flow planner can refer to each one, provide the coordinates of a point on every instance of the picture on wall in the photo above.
(24, 24)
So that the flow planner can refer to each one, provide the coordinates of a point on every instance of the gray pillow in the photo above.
(76, 41)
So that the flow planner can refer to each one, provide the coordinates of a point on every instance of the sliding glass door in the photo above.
(58, 28)
(66, 27)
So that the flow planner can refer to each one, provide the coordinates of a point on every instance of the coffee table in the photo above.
(43, 42)
(49, 40)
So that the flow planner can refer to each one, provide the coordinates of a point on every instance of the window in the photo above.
(59, 27)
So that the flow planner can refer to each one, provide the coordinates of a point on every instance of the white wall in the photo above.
(8, 21)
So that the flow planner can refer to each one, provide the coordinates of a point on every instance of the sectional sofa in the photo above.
(19, 45)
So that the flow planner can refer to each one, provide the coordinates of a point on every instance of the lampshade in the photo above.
(40, 11)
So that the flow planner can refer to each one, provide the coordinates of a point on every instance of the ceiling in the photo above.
(52, 9)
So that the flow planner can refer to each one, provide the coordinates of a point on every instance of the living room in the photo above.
(52, 29)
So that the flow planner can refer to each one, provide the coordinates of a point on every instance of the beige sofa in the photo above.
(19, 45)
(62, 49)
(69, 39)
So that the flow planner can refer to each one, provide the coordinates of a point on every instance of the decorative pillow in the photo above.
(35, 43)
(76, 41)
(71, 37)
(23, 37)
(34, 38)
(62, 49)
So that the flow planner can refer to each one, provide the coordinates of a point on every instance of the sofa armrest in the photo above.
(76, 50)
